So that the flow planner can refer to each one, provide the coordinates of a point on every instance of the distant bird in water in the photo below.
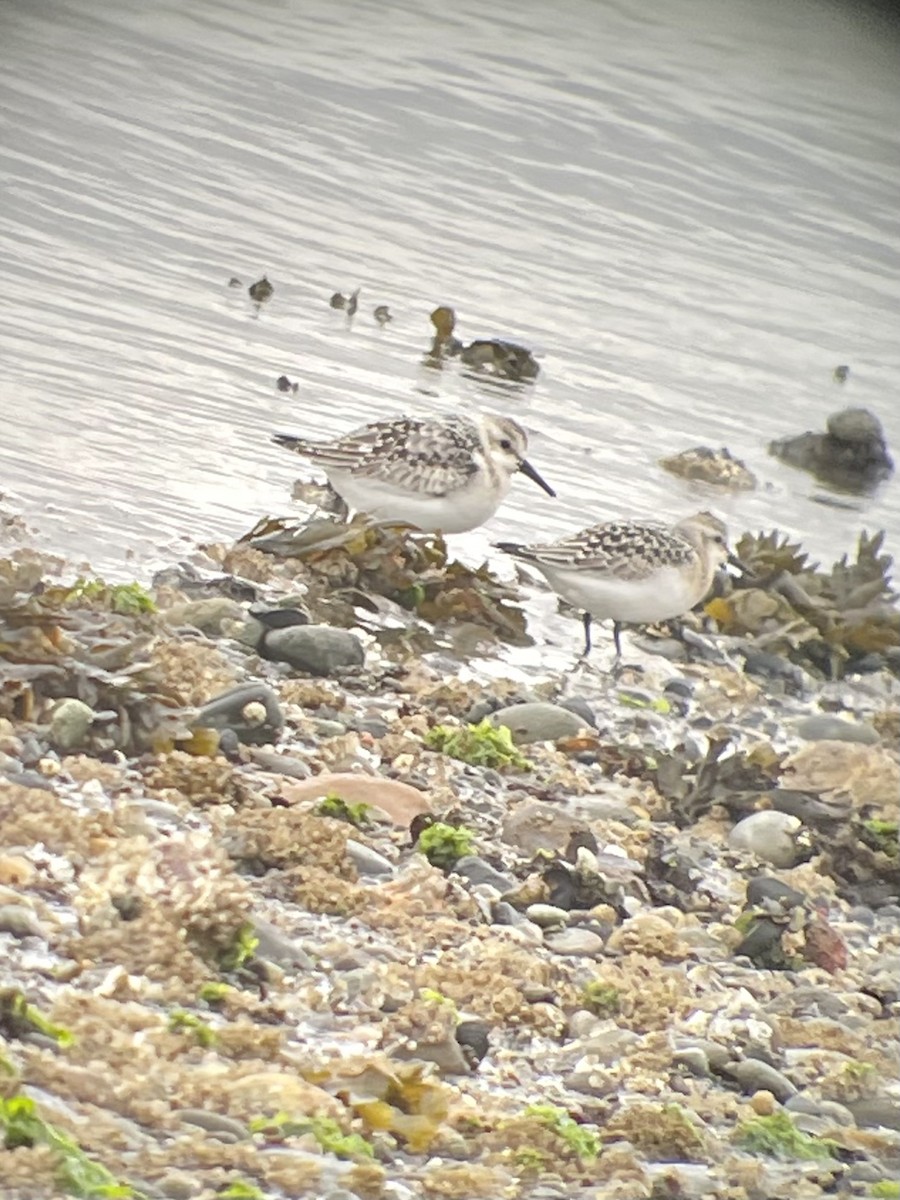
(441, 475)
(261, 290)
(348, 303)
(382, 314)
(633, 572)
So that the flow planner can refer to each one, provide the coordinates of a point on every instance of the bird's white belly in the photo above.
(455, 512)
(667, 593)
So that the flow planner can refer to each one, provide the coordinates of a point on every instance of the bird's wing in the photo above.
(628, 549)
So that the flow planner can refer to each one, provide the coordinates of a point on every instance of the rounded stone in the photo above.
(19, 921)
(754, 1075)
(70, 724)
(763, 1103)
(825, 727)
(770, 835)
(855, 425)
(366, 860)
(317, 649)
(547, 916)
(251, 711)
(579, 942)
(538, 722)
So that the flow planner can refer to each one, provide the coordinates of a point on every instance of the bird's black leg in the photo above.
(617, 631)
(586, 621)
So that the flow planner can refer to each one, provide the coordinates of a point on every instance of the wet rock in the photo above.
(70, 724)
(505, 359)
(537, 722)
(535, 826)
(214, 1123)
(281, 764)
(317, 649)
(754, 1075)
(765, 890)
(19, 921)
(479, 872)
(368, 861)
(880, 1111)
(824, 727)
(702, 464)
(382, 314)
(852, 453)
(398, 802)
(473, 1036)
(581, 942)
(251, 710)
(278, 947)
(839, 1114)
(693, 1059)
(770, 835)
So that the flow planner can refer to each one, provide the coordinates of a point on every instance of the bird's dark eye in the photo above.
(506, 444)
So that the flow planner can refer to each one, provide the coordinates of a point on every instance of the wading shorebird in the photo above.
(442, 475)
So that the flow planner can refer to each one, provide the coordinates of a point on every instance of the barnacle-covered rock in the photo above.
(702, 464)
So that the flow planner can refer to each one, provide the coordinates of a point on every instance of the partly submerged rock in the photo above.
(504, 359)
(852, 454)
(702, 464)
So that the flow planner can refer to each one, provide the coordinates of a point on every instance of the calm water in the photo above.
(688, 209)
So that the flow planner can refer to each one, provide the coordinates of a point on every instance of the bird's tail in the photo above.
(290, 442)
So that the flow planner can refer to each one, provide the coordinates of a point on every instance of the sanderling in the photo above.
(443, 475)
(632, 571)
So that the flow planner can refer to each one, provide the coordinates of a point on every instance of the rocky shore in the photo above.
(307, 890)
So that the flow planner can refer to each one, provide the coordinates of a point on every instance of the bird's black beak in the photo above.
(527, 469)
(734, 561)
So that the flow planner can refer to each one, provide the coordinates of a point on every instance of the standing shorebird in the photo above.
(631, 571)
(442, 475)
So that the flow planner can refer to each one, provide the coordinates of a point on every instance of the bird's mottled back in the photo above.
(626, 549)
(426, 455)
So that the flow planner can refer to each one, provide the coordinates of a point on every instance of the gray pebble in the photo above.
(574, 942)
(537, 722)
(770, 835)
(368, 861)
(754, 1076)
(838, 1114)
(20, 921)
(317, 649)
(825, 727)
(879, 1111)
(478, 871)
(215, 1124)
(221, 1127)
(582, 709)
(230, 710)
(694, 1060)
